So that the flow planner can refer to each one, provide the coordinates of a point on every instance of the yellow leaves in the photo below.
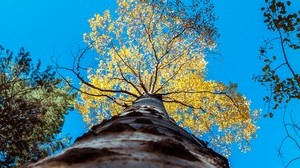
(125, 52)
(250, 129)
(123, 3)
(111, 27)
(154, 49)
(177, 20)
(99, 21)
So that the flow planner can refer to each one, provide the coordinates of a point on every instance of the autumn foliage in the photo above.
(159, 47)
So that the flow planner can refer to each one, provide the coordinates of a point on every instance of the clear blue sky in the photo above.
(50, 27)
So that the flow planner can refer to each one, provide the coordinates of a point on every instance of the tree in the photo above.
(280, 74)
(32, 108)
(157, 47)
(142, 136)
(286, 24)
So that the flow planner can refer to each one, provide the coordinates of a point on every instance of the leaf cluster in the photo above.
(278, 17)
(32, 108)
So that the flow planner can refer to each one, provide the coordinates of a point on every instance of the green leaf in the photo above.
(274, 57)
(273, 8)
(288, 3)
(271, 115)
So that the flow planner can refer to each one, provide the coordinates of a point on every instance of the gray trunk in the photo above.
(142, 136)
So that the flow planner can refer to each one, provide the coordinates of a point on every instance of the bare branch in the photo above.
(284, 52)
(167, 81)
(95, 87)
(204, 91)
(291, 161)
(129, 82)
(90, 94)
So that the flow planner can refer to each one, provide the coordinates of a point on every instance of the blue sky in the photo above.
(49, 28)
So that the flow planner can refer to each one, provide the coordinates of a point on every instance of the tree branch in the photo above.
(129, 82)
(167, 81)
(284, 52)
(199, 92)
(131, 69)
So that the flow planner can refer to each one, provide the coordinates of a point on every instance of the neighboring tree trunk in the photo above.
(143, 135)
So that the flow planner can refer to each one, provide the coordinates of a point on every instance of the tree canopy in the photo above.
(159, 47)
(32, 108)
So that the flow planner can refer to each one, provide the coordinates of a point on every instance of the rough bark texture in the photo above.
(142, 136)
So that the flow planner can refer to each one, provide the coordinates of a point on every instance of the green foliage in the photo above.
(276, 53)
(32, 108)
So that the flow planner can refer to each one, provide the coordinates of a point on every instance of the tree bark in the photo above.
(143, 135)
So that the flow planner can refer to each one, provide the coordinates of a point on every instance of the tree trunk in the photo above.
(143, 135)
